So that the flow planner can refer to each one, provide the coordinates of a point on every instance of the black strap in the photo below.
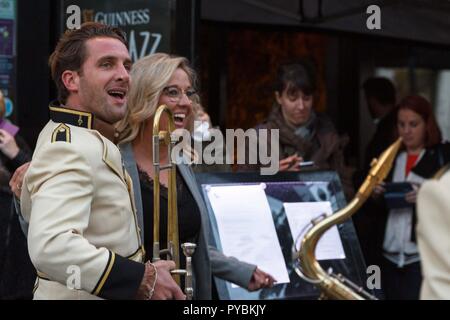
(440, 156)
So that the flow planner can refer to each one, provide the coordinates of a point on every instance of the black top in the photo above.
(189, 220)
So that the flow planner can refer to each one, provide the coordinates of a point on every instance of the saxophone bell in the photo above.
(336, 286)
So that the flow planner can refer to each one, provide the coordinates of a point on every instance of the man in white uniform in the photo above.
(83, 236)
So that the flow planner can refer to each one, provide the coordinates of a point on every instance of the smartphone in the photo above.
(306, 163)
(398, 187)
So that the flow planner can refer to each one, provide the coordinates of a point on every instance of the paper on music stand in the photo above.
(246, 228)
(300, 214)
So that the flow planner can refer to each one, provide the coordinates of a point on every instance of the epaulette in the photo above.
(61, 133)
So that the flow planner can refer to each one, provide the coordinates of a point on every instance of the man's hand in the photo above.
(17, 179)
(165, 288)
(8, 144)
(260, 280)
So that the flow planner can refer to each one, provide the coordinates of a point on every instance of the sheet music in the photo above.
(300, 214)
(246, 228)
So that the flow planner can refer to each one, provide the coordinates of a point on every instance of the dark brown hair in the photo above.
(421, 106)
(296, 76)
(70, 52)
(382, 89)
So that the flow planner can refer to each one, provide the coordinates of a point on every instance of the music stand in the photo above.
(289, 187)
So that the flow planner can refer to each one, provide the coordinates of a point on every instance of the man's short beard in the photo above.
(107, 107)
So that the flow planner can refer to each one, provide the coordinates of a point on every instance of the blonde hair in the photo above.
(2, 105)
(196, 108)
(149, 76)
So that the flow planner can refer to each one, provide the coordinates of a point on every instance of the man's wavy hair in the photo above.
(70, 52)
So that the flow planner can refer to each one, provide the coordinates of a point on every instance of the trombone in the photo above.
(172, 251)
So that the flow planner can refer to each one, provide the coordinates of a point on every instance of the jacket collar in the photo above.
(62, 114)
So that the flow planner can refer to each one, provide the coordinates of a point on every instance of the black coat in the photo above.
(384, 136)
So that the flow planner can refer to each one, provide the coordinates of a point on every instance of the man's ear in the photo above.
(71, 80)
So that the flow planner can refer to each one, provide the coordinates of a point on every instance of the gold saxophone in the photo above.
(336, 286)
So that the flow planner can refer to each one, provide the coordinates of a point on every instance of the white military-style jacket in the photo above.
(433, 237)
(83, 235)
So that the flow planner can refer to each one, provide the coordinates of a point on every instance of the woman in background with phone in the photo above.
(307, 138)
(421, 156)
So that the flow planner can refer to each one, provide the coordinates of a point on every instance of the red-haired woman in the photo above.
(421, 156)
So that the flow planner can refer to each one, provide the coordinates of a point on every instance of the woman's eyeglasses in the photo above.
(175, 94)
